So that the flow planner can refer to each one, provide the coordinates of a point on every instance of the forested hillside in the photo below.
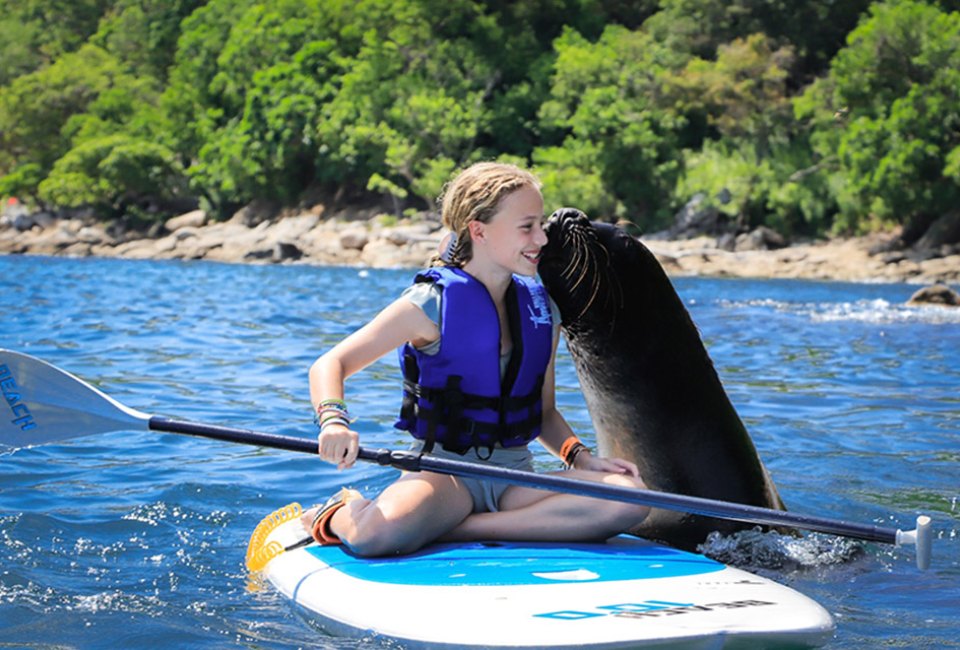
(811, 117)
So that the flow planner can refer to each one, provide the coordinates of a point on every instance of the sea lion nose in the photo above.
(565, 216)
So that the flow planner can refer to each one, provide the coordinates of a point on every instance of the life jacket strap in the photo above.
(413, 390)
(479, 433)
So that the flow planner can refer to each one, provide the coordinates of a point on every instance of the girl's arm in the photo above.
(398, 323)
(555, 430)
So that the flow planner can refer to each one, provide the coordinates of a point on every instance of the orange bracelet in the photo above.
(567, 446)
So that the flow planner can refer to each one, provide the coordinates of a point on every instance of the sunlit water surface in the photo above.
(138, 539)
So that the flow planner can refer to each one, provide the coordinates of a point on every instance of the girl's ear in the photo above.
(476, 230)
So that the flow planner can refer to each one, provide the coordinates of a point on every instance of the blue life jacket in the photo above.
(456, 397)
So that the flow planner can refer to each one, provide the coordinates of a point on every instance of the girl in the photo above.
(478, 338)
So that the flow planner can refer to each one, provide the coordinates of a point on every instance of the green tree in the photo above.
(743, 93)
(190, 110)
(814, 31)
(271, 151)
(888, 113)
(35, 108)
(17, 49)
(34, 33)
(116, 174)
(144, 33)
(406, 105)
(613, 122)
(752, 151)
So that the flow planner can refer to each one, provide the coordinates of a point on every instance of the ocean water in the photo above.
(137, 539)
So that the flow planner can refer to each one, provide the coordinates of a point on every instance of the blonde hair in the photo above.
(475, 195)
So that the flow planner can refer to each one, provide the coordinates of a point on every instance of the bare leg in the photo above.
(527, 514)
(411, 512)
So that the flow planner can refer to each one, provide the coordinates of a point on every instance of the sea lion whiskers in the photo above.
(612, 292)
(588, 260)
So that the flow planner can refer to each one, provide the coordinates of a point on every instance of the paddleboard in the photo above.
(626, 593)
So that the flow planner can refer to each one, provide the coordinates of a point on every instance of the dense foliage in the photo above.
(806, 116)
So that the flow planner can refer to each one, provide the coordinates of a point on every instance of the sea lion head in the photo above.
(591, 270)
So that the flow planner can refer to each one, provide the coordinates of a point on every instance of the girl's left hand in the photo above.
(586, 460)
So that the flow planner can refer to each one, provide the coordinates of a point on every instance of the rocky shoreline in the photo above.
(373, 241)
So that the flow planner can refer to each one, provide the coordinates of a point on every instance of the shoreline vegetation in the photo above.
(789, 122)
(364, 239)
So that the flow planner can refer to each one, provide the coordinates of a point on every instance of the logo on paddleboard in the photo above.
(22, 417)
(649, 609)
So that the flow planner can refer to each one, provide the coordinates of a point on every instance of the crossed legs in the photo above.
(423, 507)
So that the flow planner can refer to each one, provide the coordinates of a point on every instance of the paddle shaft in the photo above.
(47, 404)
(409, 461)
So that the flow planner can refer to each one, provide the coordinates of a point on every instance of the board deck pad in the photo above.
(501, 564)
(627, 593)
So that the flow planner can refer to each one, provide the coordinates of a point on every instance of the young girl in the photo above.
(478, 339)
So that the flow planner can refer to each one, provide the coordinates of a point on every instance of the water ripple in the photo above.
(137, 539)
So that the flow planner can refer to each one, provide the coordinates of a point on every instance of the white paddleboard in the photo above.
(627, 593)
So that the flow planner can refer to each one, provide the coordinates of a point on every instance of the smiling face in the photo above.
(513, 238)
(472, 200)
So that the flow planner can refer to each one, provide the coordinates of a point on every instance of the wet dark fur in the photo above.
(650, 386)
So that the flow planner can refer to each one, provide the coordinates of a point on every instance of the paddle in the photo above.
(46, 404)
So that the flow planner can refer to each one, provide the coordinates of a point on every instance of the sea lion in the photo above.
(649, 384)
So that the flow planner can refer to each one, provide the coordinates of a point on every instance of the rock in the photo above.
(380, 253)
(347, 240)
(255, 213)
(44, 220)
(945, 230)
(760, 239)
(354, 239)
(293, 228)
(695, 218)
(286, 252)
(93, 235)
(402, 235)
(258, 254)
(185, 233)
(23, 221)
(194, 219)
(938, 294)
(233, 242)
(727, 242)
(886, 245)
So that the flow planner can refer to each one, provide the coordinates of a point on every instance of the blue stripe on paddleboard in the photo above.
(501, 564)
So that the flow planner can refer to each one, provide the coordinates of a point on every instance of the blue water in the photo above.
(138, 539)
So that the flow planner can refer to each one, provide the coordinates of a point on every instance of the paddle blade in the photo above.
(43, 404)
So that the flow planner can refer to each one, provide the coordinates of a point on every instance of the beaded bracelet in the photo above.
(330, 421)
(331, 411)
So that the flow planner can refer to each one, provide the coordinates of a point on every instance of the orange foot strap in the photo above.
(321, 522)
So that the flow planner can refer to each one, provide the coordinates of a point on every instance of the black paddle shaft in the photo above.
(412, 462)
(231, 434)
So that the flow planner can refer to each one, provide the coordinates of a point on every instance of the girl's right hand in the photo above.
(339, 445)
